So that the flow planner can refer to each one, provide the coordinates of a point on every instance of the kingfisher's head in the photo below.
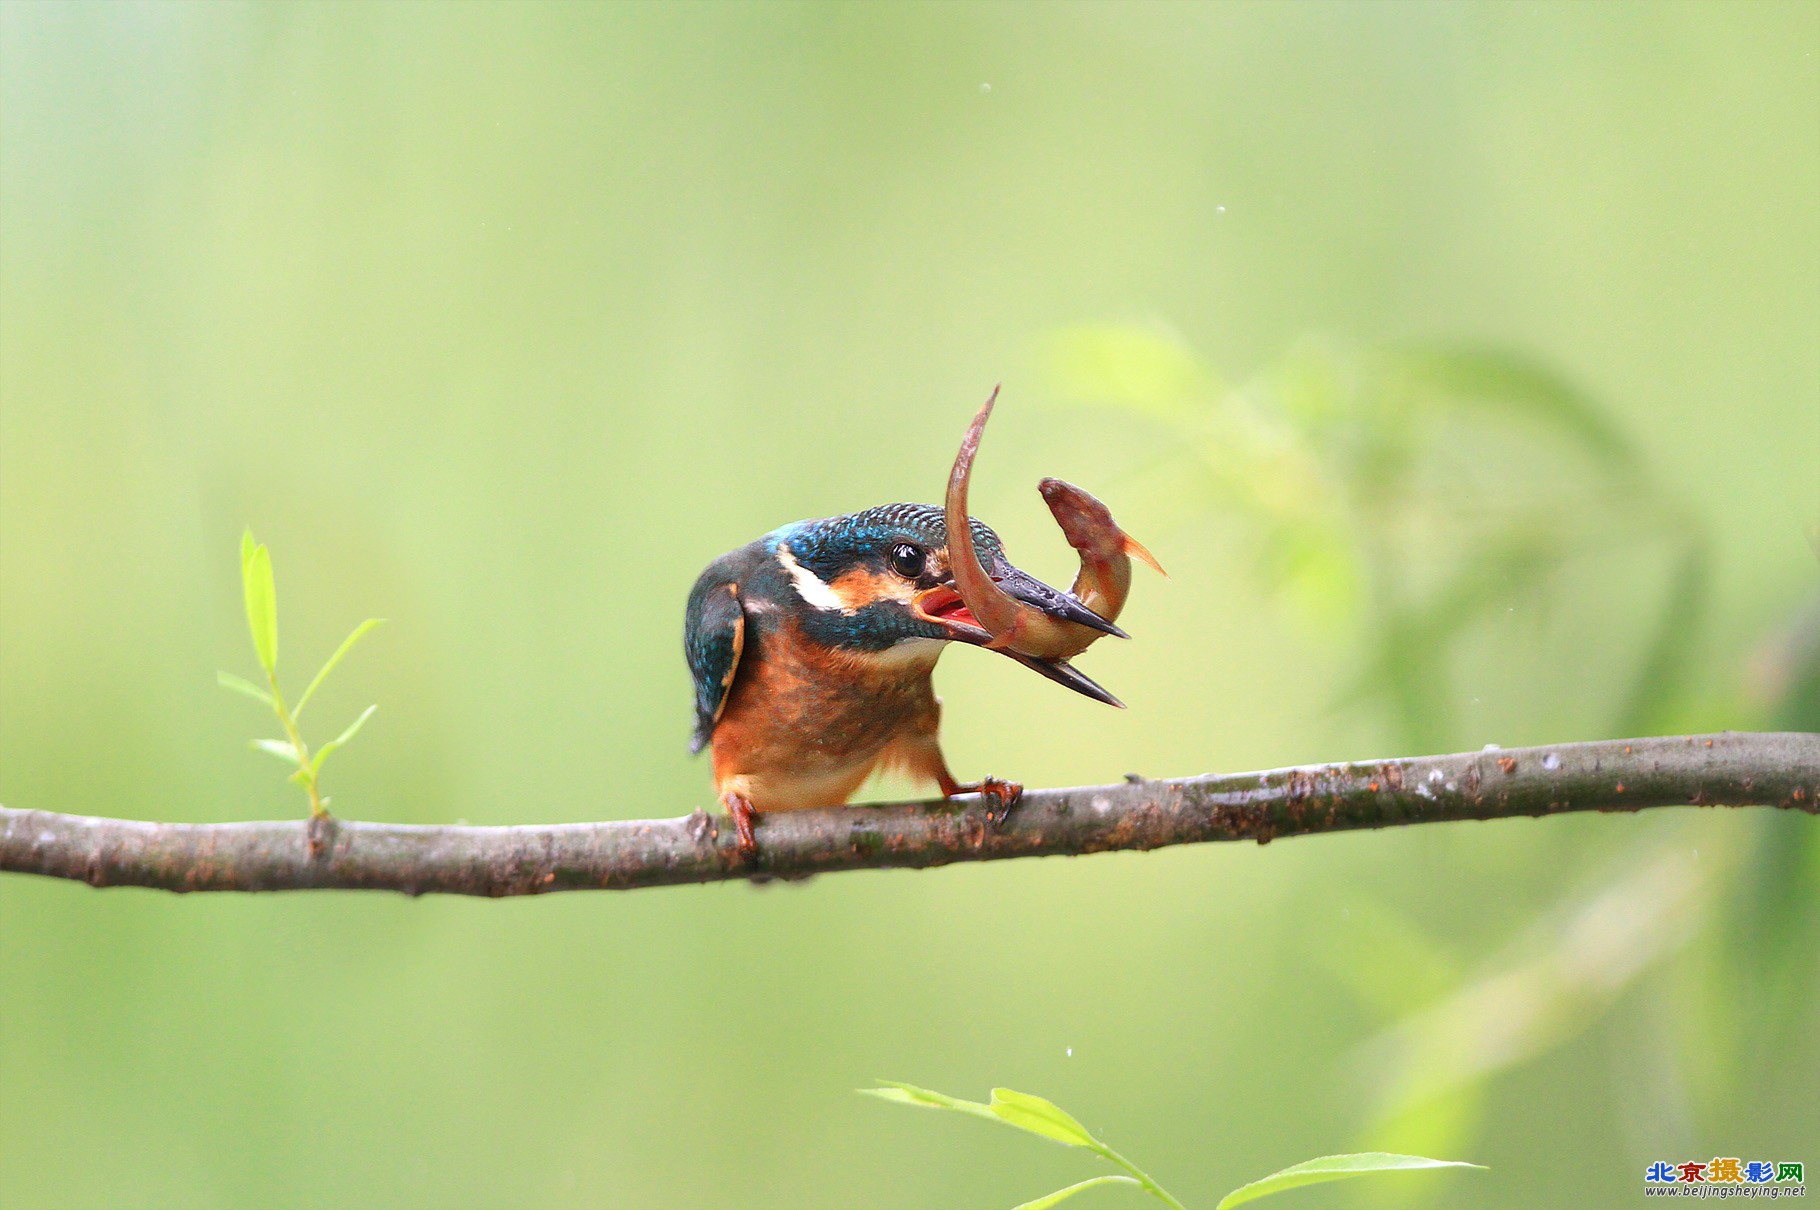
(879, 581)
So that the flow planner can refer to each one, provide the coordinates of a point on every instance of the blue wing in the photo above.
(714, 634)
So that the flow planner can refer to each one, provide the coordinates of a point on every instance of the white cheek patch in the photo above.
(810, 587)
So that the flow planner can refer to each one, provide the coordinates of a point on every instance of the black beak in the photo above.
(1067, 607)
(1052, 601)
(942, 605)
(1064, 673)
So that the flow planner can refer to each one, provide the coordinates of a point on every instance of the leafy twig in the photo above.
(1033, 1115)
(1037, 1116)
(260, 591)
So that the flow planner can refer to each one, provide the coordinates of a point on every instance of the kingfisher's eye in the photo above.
(907, 560)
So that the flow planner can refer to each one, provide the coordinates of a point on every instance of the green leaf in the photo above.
(1043, 1203)
(322, 753)
(240, 684)
(910, 1094)
(281, 748)
(1020, 1109)
(1033, 1115)
(1038, 1116)
(1333, 1168)
(347, 645)
(261, 600)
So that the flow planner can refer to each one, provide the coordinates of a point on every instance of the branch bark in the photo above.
(1727, 769)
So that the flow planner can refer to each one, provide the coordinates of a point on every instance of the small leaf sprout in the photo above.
(262, 621)
(1037, 1116)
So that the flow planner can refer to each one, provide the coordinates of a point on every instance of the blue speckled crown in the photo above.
(828, 545)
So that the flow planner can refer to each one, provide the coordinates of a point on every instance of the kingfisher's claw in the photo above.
(743, 817)
(1000, 797)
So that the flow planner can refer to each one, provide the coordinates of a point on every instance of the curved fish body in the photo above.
(1104, 581)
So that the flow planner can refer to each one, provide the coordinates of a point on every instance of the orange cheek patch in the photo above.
(858, 589)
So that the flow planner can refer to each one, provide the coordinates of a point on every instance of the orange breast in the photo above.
(803, 727)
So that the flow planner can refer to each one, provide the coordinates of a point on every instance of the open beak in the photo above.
(943, 606)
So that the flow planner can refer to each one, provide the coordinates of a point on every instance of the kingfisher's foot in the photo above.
(1000, 797)
(743, 818)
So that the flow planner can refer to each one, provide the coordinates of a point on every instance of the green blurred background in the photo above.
(1461, 363)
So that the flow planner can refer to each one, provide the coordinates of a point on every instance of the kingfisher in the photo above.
(812, 649)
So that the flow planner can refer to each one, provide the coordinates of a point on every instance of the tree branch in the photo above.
(1728, 769)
